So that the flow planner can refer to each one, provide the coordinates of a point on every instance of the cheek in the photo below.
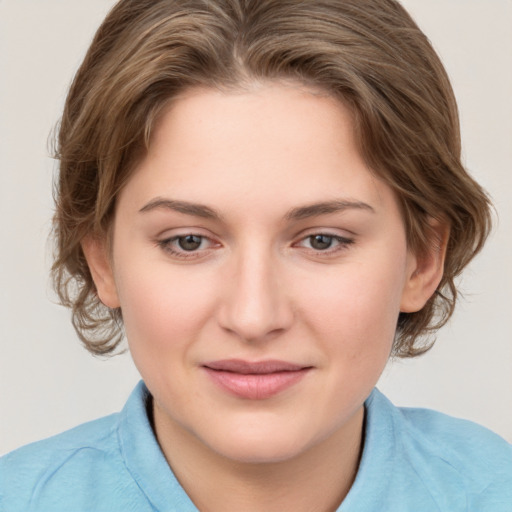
(355, 308)
(162, 310)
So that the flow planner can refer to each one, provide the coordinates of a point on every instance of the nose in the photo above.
(255, 306)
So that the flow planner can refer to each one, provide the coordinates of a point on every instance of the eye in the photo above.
(321, 242)
(325, 243)
(189, 245)
(189, 242)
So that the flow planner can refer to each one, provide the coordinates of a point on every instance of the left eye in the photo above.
(321, 242)
(325, 242)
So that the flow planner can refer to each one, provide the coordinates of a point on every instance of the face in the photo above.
(260, 268)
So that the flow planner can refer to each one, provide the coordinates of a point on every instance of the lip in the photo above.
(257, 380)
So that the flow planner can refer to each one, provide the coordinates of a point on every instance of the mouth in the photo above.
(258, 380)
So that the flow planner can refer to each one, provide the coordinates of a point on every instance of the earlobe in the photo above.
(96, 254)
(425, 270)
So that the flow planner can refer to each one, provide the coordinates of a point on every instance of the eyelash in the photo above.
(168, 245)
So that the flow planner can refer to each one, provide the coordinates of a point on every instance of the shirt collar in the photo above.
(144, 458)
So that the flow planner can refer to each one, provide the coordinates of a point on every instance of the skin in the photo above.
(258, 287)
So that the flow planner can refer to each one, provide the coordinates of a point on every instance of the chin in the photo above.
(264, 448)
(259, 455)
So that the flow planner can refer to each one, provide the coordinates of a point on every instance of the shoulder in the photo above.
(74, 462)
(452, 456)
(469, 448)
(105, 465)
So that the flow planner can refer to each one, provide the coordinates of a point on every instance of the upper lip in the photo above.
(255, 367)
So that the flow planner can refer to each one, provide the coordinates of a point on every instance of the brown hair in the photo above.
(368, 53)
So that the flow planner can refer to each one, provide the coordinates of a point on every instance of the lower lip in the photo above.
(256, 386)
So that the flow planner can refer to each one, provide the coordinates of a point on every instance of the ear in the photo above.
(425, 270)
(96, 254)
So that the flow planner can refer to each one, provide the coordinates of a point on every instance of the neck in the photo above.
(316, 480)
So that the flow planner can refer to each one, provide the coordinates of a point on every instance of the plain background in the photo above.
(49, 383)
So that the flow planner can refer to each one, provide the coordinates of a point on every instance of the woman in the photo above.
(267, 202)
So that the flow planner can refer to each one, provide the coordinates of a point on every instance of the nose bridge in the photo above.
(255, 303)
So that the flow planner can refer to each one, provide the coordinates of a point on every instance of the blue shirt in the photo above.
(413, 460)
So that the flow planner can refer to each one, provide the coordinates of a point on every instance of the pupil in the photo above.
(189, 242)
(321, 242)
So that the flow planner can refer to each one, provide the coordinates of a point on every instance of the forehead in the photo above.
(278, 117)
(274, 145)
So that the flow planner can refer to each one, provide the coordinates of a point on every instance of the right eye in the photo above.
(185, 246)
(189, 242)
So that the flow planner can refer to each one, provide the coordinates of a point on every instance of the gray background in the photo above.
(49, 383)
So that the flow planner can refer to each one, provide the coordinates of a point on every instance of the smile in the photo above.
(255, 380)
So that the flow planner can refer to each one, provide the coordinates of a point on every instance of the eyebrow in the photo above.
(299, 213)
(197, 210)
(325, 208)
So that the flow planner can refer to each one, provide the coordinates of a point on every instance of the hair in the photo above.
(368, 53)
